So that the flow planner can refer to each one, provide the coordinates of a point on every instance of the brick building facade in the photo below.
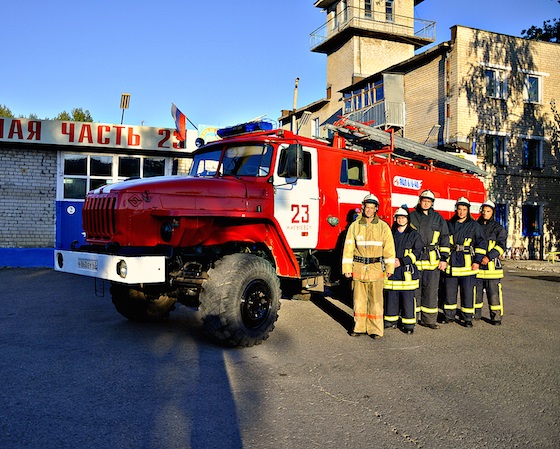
(47, 167)
(485, 96)
(27, 212)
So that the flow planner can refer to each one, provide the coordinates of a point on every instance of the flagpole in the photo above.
(191, 123)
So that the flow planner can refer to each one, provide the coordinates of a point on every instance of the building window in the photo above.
(500, 214)
(344, 11)
(496, 84)
(390, 10)
(368, 11)
(153, 166)
(85, 172)
(496, 150)
(379, 91)
(532, 90)
(357, 100)
(347, 102)
(352, 172)
(532, 220)
(315, 127)
(129, 167)
(532, 153)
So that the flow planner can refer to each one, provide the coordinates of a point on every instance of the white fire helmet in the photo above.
(428, 194)
(488, 203)
(401, 212)
(463, 201)
(371, 199)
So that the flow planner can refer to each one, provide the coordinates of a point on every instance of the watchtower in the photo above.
(363, 37)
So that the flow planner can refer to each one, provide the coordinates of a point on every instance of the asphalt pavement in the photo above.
(75, 374)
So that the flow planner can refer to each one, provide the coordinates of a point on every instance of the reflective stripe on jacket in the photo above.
(408, 247)
(434, 232)
(370, 240)
(468, 246)
(496, 236)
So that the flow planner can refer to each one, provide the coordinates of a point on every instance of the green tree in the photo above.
(5, 111)
(77, 115)
(549, 32)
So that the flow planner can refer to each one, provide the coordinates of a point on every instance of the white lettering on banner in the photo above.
(407, 183)
(55, 132)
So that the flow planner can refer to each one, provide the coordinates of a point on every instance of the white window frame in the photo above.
(497, 86)
(527, 88)
(504, 162)
(390, 11)
(501, 76)
(315, 127)
(368, 9)
(113, 178)
(539, 141)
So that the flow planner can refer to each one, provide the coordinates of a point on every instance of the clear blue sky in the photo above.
(221, 62)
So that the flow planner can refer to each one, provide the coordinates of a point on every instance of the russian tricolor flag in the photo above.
(180, 123)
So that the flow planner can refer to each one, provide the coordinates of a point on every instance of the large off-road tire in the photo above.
(239, 301)
(137, 305)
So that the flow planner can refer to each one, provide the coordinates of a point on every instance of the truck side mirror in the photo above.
(291, 161)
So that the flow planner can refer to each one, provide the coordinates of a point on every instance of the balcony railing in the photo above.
(375, 22)
(381, 115)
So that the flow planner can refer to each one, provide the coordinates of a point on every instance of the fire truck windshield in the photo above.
(206, 164)
(237, 160)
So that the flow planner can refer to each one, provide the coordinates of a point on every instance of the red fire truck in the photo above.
(262, 210)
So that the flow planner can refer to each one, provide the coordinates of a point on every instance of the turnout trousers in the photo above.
(467, 287)
(400, 303)
(368, 307)
(493, 289)
(427, 296)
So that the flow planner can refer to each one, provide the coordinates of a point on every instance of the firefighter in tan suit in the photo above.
(368, 257)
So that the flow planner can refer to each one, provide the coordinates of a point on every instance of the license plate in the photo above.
(86, 264)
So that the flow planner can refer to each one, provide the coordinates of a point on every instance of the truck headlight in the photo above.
(166, 231)
(122, 269)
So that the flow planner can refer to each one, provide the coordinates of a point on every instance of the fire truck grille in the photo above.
(99, 217)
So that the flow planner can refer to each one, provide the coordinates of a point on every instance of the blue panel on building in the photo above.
(69, 224)
(27, 257)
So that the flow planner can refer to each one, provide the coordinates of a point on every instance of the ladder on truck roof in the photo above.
(372, 138)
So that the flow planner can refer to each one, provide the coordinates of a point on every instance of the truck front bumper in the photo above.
(123, 269)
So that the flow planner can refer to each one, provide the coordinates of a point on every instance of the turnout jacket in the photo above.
(408, 247)
(434, 232)
(468, 246)
(496, 237)
(369, 250)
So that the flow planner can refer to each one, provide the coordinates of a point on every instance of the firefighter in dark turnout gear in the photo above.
(435, 238)
(468, 247)
(401, 286)
(489, 277)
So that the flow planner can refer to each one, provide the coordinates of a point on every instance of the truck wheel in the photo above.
(136, 305)
(239, 301)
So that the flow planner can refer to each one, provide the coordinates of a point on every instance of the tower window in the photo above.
(390, 10)
(368, 11)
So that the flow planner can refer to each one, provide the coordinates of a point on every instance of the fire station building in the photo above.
(47, 167)
(484, 96)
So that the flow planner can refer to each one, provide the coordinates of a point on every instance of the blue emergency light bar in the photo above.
(243, 128)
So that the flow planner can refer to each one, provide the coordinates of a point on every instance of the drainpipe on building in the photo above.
(446, 81)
